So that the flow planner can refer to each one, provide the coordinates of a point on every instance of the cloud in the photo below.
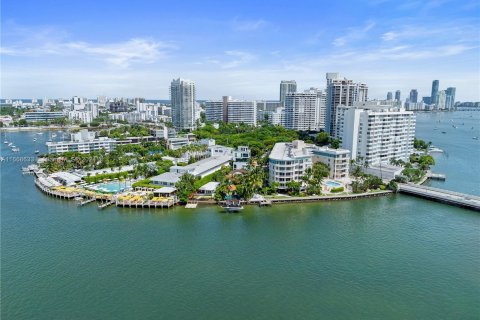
(354, 34)
(232, 59)
(248, 25)
(121, 54)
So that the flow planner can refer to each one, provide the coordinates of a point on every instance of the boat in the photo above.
(475, 138)
(6, 142)
(54, 135)
(433, 149)
(444, 132)
(15, 149)
(37, 151)
(34, 139)
(232, 206)
(10, 144)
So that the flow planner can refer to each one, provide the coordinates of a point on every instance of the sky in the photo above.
(239, 48)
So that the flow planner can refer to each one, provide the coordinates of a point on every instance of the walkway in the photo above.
(450, 197)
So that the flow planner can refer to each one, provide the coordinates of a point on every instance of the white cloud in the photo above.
(248, 25)
(27, 42)
(354, 34)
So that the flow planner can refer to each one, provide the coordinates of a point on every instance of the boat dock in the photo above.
(105, 204)
(440, 195)
(437, 176)
(86, 201)
(329, 197)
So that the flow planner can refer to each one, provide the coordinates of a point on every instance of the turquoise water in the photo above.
(395, 257)
(111, 187)
(331, 183)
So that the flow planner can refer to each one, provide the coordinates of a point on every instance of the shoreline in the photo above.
(41, 128)
(112, 199)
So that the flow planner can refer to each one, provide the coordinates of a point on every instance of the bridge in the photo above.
(449, 197)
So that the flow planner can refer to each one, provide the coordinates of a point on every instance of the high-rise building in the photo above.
(376, 131)
(321, 111)
(300, 111)
(389, 95)
(441, 100)
(242, 111)
(413, 96)
(427, 100)
(450, 99)
(397, 95)
(341, 92)
(287, 86)
(214, 110)
(434, 95)
(182, 97)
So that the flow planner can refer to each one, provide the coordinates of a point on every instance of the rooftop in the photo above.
(290, 150)
(170, 177)
(210, 186)
(203, 165)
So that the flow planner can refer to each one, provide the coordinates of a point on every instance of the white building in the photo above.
(442, 100)
(242, 111)
(338, 160)
(341, 91)
(376, 131)
(182, 97)
(203, 167)
(214, 110)
(300, 111)
(288, 162)
(241, 156)
(83, 142)
(286, 87)
(82, 116)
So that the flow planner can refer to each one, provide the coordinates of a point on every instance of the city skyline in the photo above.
(242, 50)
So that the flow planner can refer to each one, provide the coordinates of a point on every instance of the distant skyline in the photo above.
(242, 49)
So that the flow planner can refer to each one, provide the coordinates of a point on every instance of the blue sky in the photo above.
(238, 48)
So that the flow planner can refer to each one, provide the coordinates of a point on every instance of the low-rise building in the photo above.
(289, 160)
(167, 179)
(338, 160)
(43, 115)
(83, 142)
(241, 156)
(203, 167)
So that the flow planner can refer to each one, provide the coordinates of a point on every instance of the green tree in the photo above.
(185, 187)
(322, 139)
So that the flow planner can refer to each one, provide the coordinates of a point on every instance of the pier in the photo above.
(440, 195)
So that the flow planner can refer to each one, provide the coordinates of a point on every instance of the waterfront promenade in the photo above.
(441, 195)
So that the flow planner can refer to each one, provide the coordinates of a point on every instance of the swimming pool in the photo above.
(331, 183)
(111, 187)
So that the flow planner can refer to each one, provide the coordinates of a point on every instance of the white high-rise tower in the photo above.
(182, 97)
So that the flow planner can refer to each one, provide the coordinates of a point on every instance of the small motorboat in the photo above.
(6, 142)
(232, 206)
(475, 138)
(444, 132)
(37, 151)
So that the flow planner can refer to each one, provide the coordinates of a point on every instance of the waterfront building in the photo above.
(413, 98)
(397, 95)
(286, 87)
(376, 131)
(167, 179)
(82, 142)
(203, 167)
(338, 160)
(441, 100)
(182, 97)
(176, 143)
(450, 98)
(341, 91)
(288, 161)
(43, 115)
(434, 95)
(241, 156)
(82, 116)
(300, 111)
(389, 95)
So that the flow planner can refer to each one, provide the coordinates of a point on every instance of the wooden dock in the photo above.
(440, 195)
